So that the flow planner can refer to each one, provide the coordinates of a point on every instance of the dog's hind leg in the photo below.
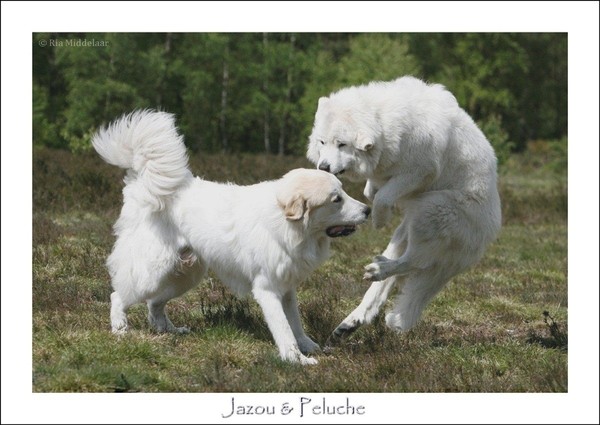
(418, 290)
(376, 295)
(157, 317)
(186, 275)
(369, 307)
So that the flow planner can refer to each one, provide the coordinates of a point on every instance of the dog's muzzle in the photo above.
(324, 166)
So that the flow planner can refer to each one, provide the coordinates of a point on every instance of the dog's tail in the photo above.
(147, 143)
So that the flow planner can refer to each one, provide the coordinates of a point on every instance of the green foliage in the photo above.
(376, 57)
(483, 65)
(498, 137)
(522, 78)
(559, 154)
(44, 132)
(257, 92)
(99, 86)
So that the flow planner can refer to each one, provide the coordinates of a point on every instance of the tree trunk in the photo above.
(224, 89)
(288, 97)
(163, 77)
(266, 123)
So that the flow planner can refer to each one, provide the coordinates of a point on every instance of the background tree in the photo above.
(253, 92)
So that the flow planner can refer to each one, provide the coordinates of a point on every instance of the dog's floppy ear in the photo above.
(364, 142)
(293, 205)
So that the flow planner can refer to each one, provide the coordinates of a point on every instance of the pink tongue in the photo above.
(336, 229)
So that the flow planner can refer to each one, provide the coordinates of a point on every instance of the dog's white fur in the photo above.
(265, 238)
(420, 152)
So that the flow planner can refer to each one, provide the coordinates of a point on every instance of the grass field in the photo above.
(500, 327)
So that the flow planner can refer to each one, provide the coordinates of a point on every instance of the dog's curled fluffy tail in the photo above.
(147, 143)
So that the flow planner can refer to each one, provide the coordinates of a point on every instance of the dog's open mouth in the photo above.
(336, 231)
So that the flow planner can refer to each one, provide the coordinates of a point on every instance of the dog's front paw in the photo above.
(295, 356)
(119, 331)
(379, 270)
(382, 214)
(162, 324)
(308, 346)
(342, 331)
(394, 321)
(308, 361)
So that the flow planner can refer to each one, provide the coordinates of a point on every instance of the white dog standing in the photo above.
(420, 152)
(265, 238)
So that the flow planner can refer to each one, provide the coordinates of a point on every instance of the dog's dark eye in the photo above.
(321, 142)
(341, 145)
(338, 198)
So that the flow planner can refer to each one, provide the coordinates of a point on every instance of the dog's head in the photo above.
(344, 139)
(316, 199)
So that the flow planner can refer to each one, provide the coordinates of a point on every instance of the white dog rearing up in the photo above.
(420, 152)
(264, 238)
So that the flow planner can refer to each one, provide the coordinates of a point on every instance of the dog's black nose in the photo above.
(324, 166)
(367, 211)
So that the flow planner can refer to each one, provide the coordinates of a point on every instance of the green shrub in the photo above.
(498, 137)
